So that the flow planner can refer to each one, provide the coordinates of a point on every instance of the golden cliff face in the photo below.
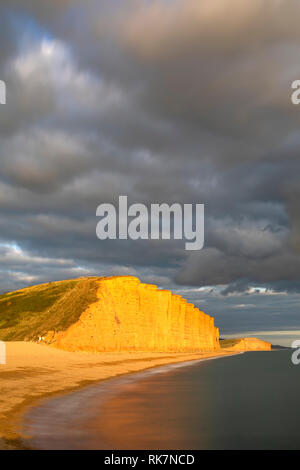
(131, 316)
(246, 344)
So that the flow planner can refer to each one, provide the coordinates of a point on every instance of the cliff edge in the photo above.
(131, 316)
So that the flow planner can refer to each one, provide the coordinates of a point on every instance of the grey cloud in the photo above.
(186, 24)
(41, 160)
(163, 102)
(212, 266)
(291, 193)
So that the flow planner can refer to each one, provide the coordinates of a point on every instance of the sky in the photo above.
(163, 101)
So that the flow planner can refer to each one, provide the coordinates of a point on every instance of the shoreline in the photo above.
(46, 421)
(37, 373)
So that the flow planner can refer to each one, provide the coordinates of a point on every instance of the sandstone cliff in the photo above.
(131, 316)
(245, 344)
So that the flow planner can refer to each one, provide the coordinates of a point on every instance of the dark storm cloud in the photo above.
(201, 68)
(212, 266)
(182, 101)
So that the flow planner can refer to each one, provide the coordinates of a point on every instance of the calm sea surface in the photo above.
(248, 401)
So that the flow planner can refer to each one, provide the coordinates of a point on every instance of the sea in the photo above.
(244, 401)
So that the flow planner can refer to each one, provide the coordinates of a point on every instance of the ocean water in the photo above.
(247, 401)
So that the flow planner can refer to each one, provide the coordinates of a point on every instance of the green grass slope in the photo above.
(228, 343)
(32, 312)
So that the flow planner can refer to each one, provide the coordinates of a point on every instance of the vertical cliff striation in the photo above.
(131, 316)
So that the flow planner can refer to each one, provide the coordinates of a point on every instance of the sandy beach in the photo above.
(36, 371)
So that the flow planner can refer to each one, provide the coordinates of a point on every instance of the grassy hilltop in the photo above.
(29, 313)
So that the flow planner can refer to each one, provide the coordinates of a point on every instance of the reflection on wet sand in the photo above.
(146, 415)
(143, 410)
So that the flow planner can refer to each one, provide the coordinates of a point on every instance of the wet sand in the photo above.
(34, 372)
